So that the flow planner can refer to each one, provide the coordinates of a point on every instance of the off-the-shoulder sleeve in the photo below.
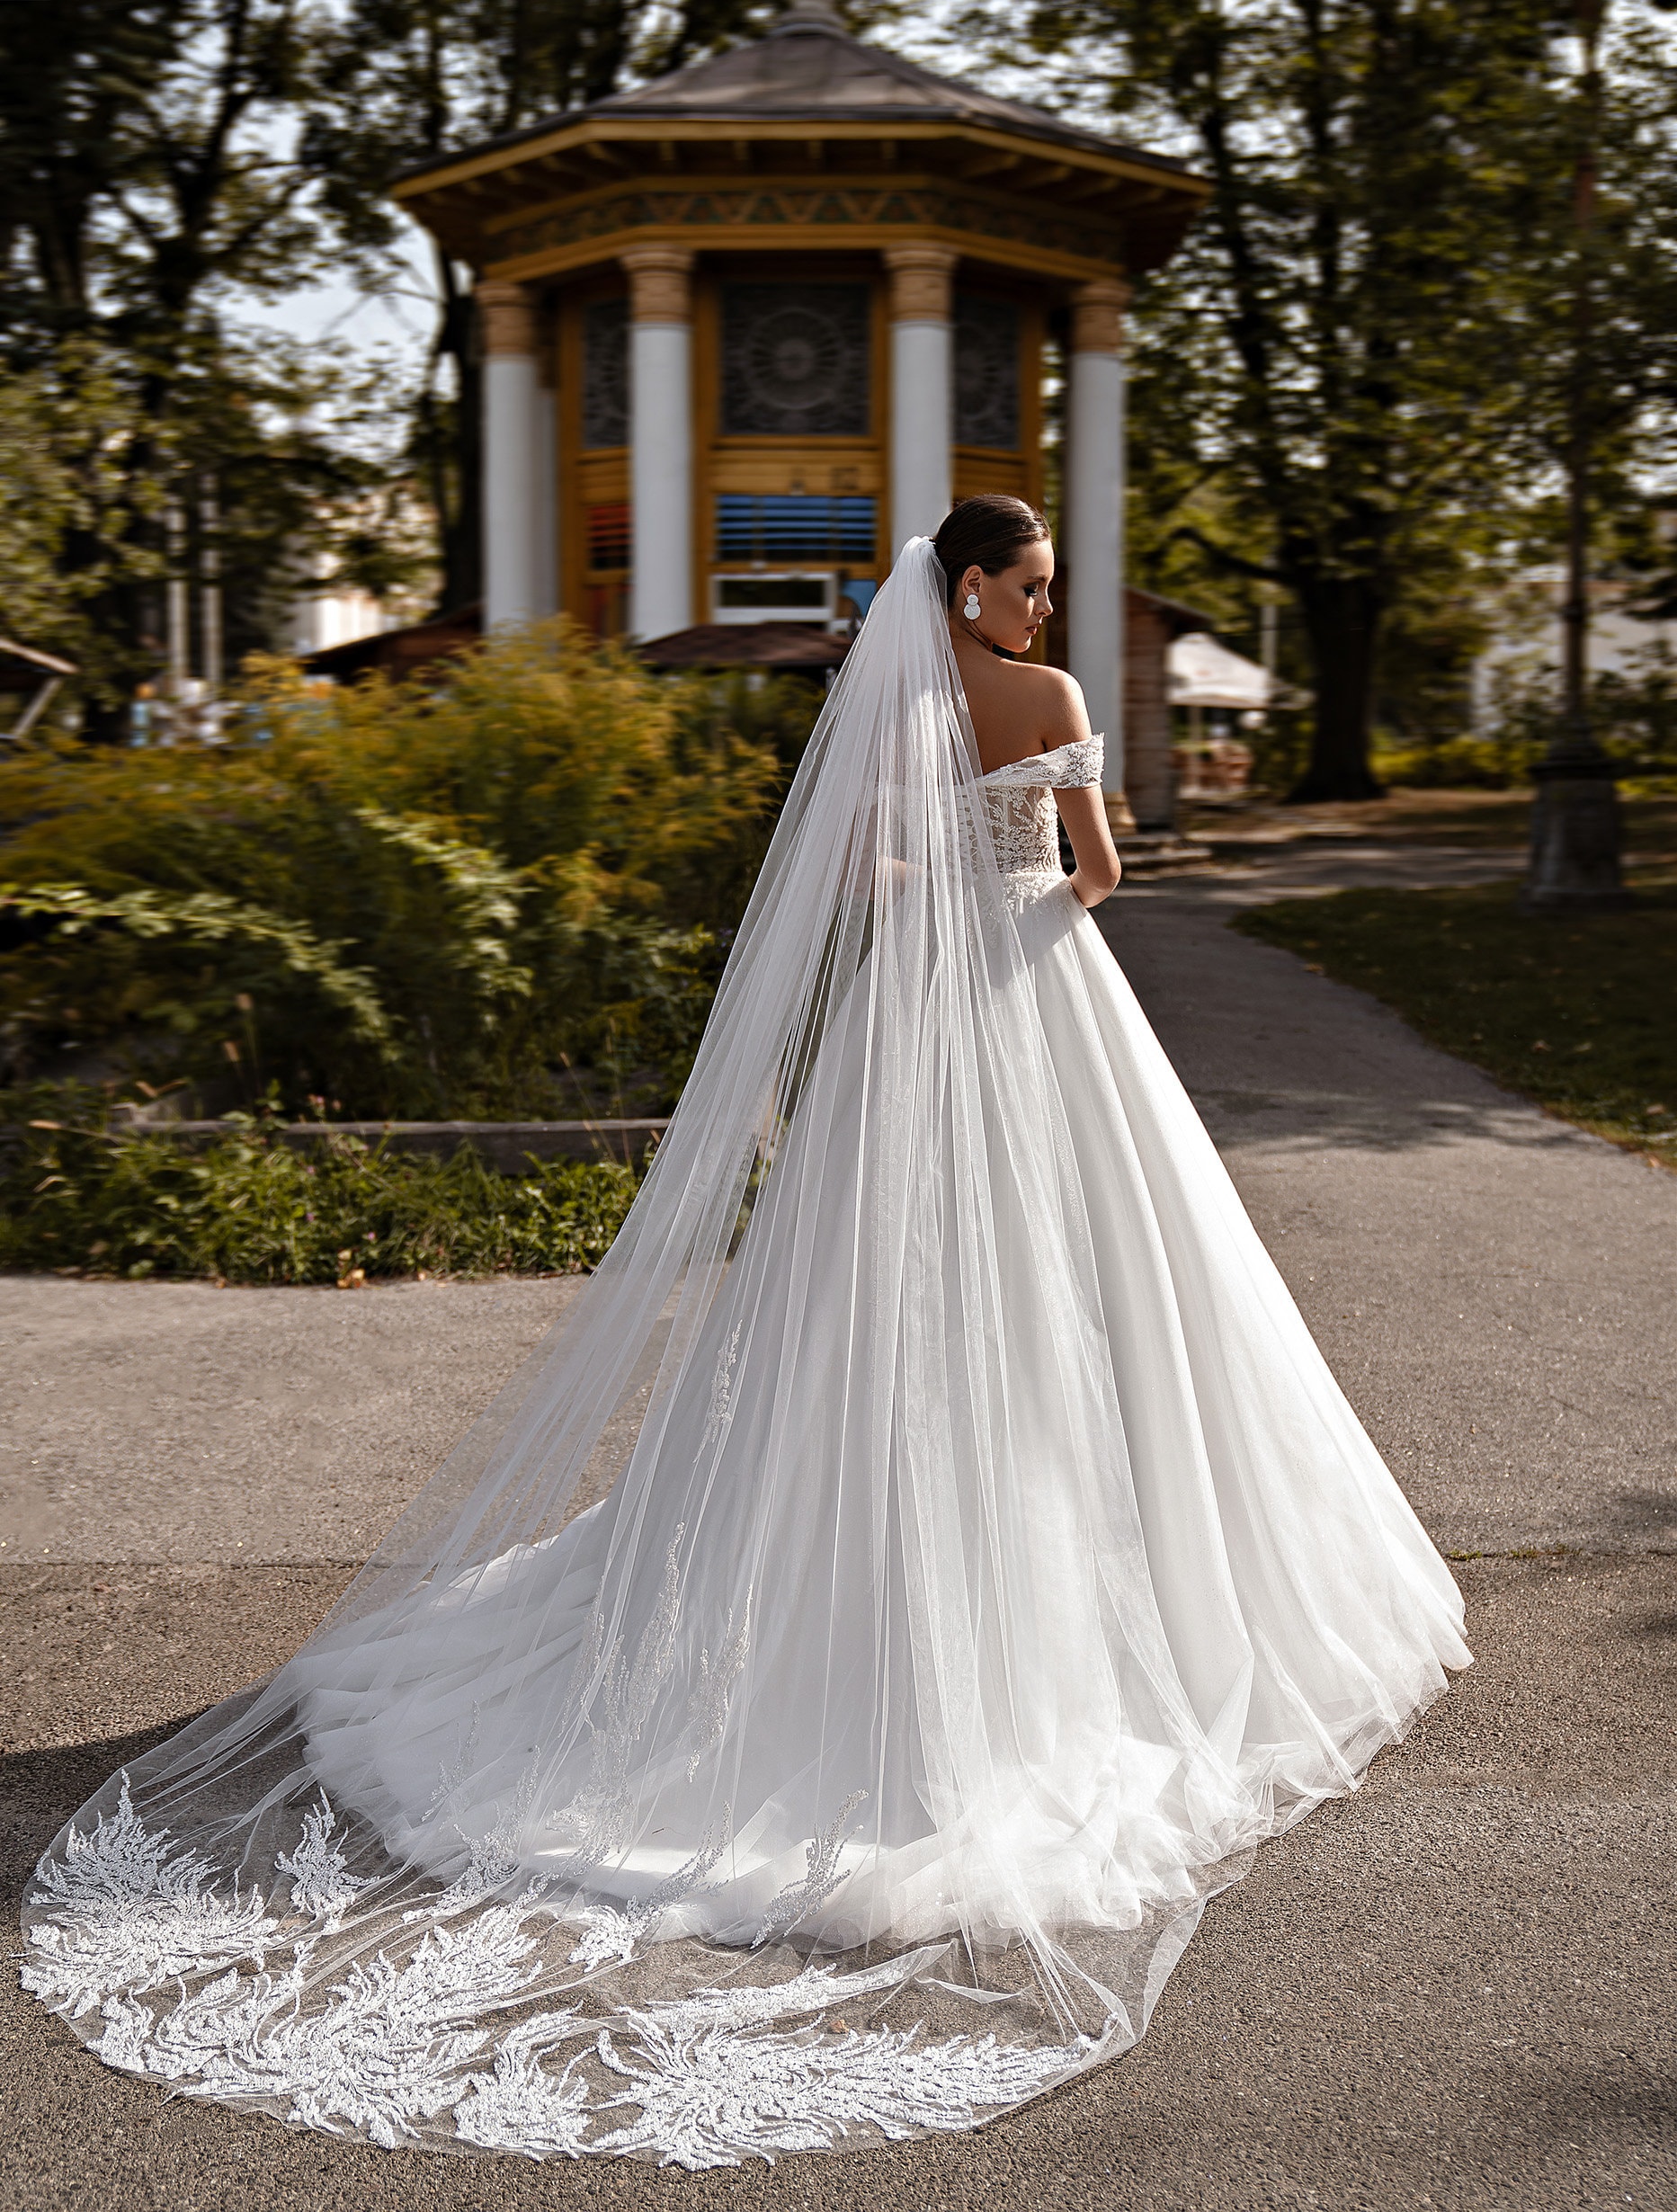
(1064, 768)
(1076, 764)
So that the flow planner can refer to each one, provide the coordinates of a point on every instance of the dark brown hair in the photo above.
(991, 529)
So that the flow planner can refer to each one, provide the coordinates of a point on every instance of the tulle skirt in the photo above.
(953, 1762)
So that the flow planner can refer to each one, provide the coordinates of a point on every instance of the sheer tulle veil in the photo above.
(762, 1734)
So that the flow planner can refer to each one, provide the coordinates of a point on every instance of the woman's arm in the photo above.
(1065, 722)
(1083, 812)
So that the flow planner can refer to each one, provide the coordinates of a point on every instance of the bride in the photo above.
(816, 1701)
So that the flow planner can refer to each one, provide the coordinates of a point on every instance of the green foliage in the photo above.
(408, 80)
(212, 917)
(76, 499)
(417, 902)
(97, 442)
(77, 1197)
(1633, 714)
(156, 164)
(1451, 763)
(1358, 370)
(1578, 1012)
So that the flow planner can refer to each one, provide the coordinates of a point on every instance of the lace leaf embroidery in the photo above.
(1065, 769)
(388, 2050)
(521, 2106)
(399, 2042)
(125, 1911)
(322, 1885)
(611, 1935)
(493, 1858)
(799, 1899)
(817, 1989)
(451, 1777)
(715, 2098)
(707, 1701)
(597, 1820)
(720, 1416)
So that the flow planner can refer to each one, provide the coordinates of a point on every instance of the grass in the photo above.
(1578, 1013)
(80, 1200)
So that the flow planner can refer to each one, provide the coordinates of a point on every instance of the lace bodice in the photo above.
(1018, 801)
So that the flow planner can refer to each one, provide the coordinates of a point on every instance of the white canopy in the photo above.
(1204, 674)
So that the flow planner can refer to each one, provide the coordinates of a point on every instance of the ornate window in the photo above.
(790, 528)
(605, 373)
(987, 372)
(795, 361)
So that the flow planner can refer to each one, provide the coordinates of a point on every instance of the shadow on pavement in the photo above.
(40, 1789)
(1372, 1120)
(1644, 1519)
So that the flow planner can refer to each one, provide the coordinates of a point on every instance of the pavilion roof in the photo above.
(808, 68)
(805, 89)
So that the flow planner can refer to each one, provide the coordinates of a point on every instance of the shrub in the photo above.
(415, 901)
(1456, 764)
(78, 1199)
(1633, 715)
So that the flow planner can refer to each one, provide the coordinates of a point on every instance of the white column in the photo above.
(661, 437)
(511, 386)
(1095, 521)
(923, 389)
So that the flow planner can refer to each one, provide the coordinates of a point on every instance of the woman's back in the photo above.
(1018, 708)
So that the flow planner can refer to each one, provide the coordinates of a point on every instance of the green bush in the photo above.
(1632, 714)
(413, 901)
(1456, 764)
(80, 1198)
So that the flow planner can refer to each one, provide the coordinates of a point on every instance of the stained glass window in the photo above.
(986, 371)
(795, 361)
(605, 373)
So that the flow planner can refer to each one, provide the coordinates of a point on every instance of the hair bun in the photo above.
(986, 530)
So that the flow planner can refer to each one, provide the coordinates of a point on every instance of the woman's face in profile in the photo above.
(1013, 606)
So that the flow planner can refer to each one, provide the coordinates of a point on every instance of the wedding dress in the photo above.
(816, 1701)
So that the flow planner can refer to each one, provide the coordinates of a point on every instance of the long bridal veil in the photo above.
(762, 1734)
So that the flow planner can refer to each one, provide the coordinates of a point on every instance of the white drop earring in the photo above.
(972, 610)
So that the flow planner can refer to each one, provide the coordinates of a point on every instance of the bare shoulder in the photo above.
(1057, 703)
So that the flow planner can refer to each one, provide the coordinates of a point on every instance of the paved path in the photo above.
(1453, 1990)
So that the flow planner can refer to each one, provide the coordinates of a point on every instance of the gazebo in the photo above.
(749, 326)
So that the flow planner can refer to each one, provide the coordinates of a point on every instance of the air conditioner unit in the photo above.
(788, 595)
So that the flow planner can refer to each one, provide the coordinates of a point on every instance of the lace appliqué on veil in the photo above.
(708, 2079)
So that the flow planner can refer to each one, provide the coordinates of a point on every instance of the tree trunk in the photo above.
(1341, 617)
(453, 437)
(463, 549)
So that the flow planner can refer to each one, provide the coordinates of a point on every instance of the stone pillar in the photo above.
(923, 389)
(661, 437)
(511, 509)
(1095, 521)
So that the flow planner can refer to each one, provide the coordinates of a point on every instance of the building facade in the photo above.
(749, 327)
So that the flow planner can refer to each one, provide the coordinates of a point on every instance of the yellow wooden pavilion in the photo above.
(752, 324)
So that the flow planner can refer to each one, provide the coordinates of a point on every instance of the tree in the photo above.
(1607, 378)
(419, 79)
(158, 162)
(161, 159)
(67, 430)
(76, 79)
(1340, 345)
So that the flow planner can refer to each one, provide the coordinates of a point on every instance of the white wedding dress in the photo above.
(816, 1703)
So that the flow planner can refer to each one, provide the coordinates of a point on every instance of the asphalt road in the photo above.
(1454, 1989)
